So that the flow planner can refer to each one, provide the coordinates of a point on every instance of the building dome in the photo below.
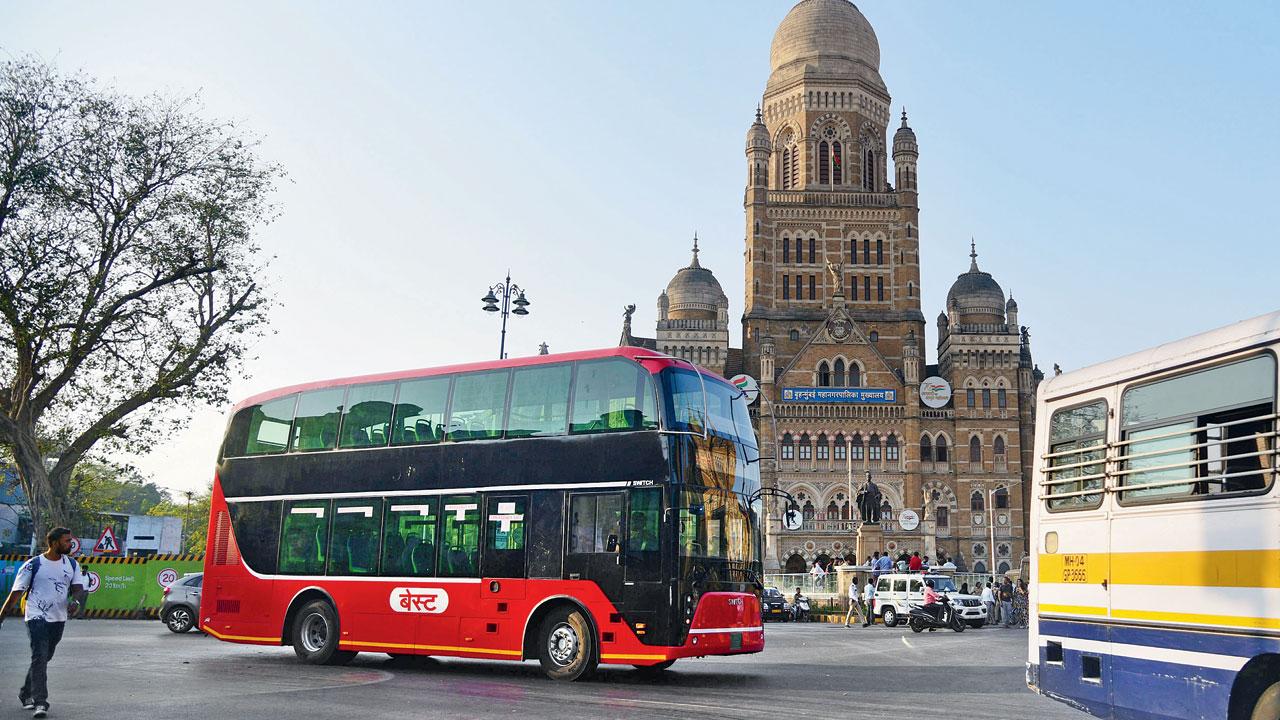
(978, 296)
(694, 293)
(904, 140)
(826, 38)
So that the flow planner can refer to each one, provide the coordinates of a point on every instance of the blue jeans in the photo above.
(1006, 613)
(45, 637)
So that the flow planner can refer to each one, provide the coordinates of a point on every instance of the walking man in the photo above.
(47, 580)
(855, 608)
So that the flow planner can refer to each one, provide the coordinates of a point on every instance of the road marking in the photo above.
(904, 642)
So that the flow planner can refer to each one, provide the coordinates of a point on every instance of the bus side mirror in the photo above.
(612, 544)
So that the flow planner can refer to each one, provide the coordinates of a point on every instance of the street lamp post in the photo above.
(505, 291)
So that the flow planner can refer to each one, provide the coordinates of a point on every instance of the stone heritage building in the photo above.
(834, 331)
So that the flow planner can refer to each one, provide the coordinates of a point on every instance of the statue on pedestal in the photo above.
(869, 498)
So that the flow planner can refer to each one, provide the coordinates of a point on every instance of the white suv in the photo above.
(897, 592)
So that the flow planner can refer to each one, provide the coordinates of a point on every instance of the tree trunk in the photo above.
(46, 494)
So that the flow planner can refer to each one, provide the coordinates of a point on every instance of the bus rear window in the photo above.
(1076, 459)
(269, 425)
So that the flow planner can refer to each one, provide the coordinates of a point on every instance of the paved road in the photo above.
(128, 669)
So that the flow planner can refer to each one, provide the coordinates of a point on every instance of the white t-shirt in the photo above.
(853, 589)
(47, 599)
(987, 596)
(869, 592)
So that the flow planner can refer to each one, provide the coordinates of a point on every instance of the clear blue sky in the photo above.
(1118, 163)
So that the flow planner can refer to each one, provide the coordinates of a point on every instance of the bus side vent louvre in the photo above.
(228, 607)
(225, 551)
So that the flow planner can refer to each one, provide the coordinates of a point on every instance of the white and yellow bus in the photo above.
(1156, 528)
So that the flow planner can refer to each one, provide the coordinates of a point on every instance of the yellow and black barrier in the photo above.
(120, 587)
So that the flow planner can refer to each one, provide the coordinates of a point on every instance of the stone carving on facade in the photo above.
(837, 276)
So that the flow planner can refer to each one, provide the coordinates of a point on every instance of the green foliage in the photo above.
(194, 512)
(98, 488)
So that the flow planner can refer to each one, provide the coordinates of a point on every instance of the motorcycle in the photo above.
(800, 609)
(921, 619)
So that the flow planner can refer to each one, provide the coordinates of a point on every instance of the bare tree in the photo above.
(129, 270)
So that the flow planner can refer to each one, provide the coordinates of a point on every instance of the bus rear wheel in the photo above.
(315, 635)
(1268, 704)
(566, 645)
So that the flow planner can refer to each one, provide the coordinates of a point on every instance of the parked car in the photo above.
(897, 592)
(181, 604)
(774, 605)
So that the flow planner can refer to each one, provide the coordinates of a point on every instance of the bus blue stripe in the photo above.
(1206, 641)
(1140, 689)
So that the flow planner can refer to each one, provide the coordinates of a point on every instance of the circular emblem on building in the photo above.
(809, 546)
(908, 520)
(935, 392)
(841, 329)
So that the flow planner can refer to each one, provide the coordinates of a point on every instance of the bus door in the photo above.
(594, 547)
(643, 591)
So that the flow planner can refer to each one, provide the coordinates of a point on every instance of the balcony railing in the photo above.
(835, 199)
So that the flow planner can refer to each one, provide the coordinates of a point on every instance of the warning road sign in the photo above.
(107, 544)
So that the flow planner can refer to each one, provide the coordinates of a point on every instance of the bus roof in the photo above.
(625, 351)
(1264, 329)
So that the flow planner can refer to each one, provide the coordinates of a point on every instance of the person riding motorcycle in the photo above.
(799, 607)
(931, 600)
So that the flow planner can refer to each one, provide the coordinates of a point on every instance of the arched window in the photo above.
(968, 396)
(837, 164)
(873, 447)
(824, 374)
(979, 567)
(999, 447)
(806, 448)
(886, 512)
(986, 399)
(926, 449)
(873, 336)
(977, 503)
(839, 379)
(975, 449)
(786, 287)
(841, 451)
(824, 447)
(855, 375)
(1002, 498)
(866, 252)
(833, 511)
(786, 249)
(998, 450)
(799, 252)
(788, 447)
(808, 510)
(879, 251)
(857, 447)
(869, 172)
(794, 335)
(879, 289)
(911, 289)
(813, 250)
(790, 167)
(824, 160)
(853, 258)
(796, 565)
(891, 448)
(942, 516)
(940, 449)
(1003, 567)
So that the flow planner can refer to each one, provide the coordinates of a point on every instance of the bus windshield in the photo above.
(722, 410)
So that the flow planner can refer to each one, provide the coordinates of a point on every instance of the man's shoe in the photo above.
(41, 711)
(27, 703)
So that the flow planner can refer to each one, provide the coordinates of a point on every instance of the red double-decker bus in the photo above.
(581, 508)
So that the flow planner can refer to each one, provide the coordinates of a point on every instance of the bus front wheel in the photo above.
(566, 645)
(315, 635)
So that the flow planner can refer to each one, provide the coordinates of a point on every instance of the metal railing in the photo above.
(827, 585)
